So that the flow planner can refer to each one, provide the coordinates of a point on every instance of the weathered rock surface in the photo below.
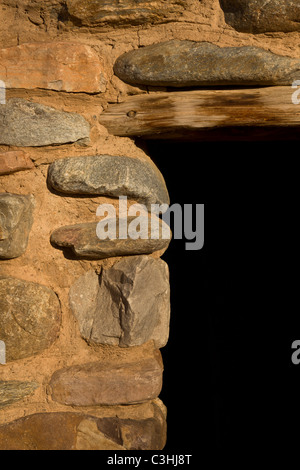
(128, 11)
(16, 218)
(84, 242)
(27, 124)
(261, 16)
(108, 383)
(127, 306)
(178, 63)
(109, 176)
(12, 391)
(83, 431)
(53, 66)
(29, 317)
(13, 161)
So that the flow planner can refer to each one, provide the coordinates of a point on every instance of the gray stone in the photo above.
(128, 305)
(134, 12)
(12, 391)
(261, 16)
(16, 218)
(84, 242)
(29, 317)
(109, 176)
(108, 383)
(178, 63)
(27, 124)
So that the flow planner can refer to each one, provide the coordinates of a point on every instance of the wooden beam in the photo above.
(204, 113)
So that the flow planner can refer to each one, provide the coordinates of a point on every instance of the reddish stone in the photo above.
(60, 66)
(106, 383)
(13, 161)
(41, 431)
(83, 431)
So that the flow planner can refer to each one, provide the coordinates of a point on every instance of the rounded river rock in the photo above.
(29, 317)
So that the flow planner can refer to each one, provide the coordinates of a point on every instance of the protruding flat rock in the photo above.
(82, 239)
(134, 12)
(84, 431)
(12, 391)
(127, 306)
(261, 16)
(27, 124)
(53, 66)
(29, 317)
(16, 218)
(108, 383)
(108, 175)
(178, 63)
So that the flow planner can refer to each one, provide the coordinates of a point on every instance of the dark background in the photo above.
(232, 392)
(229, 383)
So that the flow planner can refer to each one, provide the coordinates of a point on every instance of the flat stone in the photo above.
(27, 124)
(13, 161)
(131, 12)
(41, 431)
(128, 305)
(108, 383)
(84, 242)
(12, 391)
(178, 63)
(53, 66)
(29, 317)
(107, 175)
(84, 431)
(90, 437)
(261, 16)
(16, 218)
(147, 434)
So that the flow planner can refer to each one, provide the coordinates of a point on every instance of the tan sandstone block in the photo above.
(56, 66)
(13, 161)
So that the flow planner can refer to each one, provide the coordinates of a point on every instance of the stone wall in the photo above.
(82, 322)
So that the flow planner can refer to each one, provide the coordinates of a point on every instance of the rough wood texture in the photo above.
(199, 112)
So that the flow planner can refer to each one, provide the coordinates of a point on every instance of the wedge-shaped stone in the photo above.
(13, 161)
(127, 306)
(16, 218)
(84, 431)
(27, 124)
(29, 317)
(108, 383)
(84, 242)
(12, 391)
(178, 63)
(60, 66)
(109, 176)
(133, 12)
(261, 16)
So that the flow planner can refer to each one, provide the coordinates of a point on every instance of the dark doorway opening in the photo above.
(227, 362)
